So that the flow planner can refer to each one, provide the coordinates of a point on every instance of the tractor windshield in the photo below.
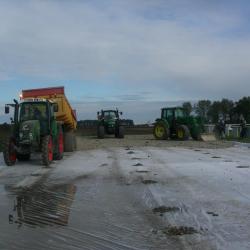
(33, 111)
(109, 115)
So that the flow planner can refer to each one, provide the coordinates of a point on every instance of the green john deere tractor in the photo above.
(109, 122)
(175, 124)
(34, 129)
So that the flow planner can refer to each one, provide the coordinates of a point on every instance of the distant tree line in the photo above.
(210, 111)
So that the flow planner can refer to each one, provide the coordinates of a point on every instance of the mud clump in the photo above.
(130, 152)
(149, 182)
(137, 165)
(243, 167)
(164, 209)
(104, 165)
(135, 158)
(142, 171)
(178, 231)
(212, 213)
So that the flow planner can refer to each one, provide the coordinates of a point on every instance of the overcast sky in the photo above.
(135, 53)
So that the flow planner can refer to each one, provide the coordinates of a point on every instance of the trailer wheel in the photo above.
(69, 142)
(100, 132)
(60, 146)
(47, 150)
(9, 152)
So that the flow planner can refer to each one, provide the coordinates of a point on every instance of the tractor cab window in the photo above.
(167, 113)
(33, 111)
(179, 113)
(109, 115)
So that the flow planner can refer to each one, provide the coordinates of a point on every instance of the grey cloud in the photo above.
(157, 46)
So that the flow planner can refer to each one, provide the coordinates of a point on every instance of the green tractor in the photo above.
(109, 122)
(34, 129)
(175, 124)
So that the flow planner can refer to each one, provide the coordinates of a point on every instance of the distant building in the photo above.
(94, 123)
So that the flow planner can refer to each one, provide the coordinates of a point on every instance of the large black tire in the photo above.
(59, 149)
(23, 157)
(9, 153)
(182, 132)
(121, 132)
(161, 131)
(69, 142)
(47, 150)
(100, 132)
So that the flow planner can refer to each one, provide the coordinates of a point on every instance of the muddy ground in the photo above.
(91, 142)
(121, 195)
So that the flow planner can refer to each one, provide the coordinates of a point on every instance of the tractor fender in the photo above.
(165, 122)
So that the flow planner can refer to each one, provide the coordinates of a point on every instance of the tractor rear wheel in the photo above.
(47, 150)
(100, 132)
(161, 132)
(9, 152)
(120, 132)
(182, 132)
(60, 146)
(23, 157)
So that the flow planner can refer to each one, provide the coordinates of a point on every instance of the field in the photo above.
(132, 193)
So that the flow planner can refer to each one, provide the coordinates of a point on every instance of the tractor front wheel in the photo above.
(182, 132)
(9, 152)
(161, 132)
(47, 150)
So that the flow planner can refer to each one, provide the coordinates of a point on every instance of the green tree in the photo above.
(243, 107)
(187, 106)
(202, 108)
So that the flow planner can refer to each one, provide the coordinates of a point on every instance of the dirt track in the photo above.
(91, 142)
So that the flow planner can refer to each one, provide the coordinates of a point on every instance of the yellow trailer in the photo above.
(65, 113)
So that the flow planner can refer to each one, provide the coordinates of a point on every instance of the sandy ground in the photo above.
(129, 198)
(91, 142)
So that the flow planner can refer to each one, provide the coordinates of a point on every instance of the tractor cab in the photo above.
(172, 113)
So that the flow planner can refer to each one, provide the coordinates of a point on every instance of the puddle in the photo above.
(178, 231)
(212, 213)
(137, 165)
(243, 167)
(197, 150)
(149, 182)
(141, 171)
(43, 206)
(206, 153)
(216, 157)
(228, 161)
(164, 209)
